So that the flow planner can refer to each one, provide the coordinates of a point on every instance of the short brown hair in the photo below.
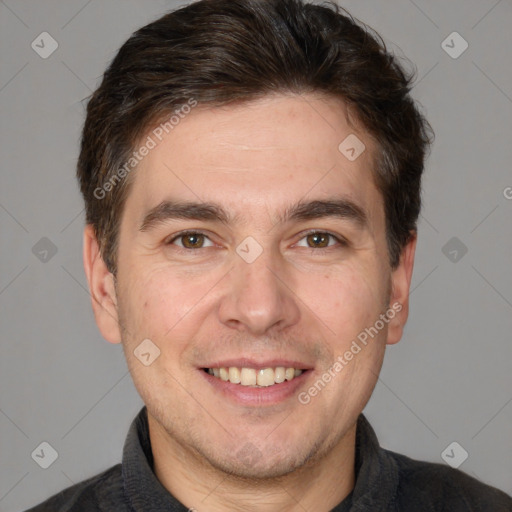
(219, 52)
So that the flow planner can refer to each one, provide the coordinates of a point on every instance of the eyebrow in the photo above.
(340, 208)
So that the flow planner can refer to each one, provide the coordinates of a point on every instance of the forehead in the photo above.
(266, 154)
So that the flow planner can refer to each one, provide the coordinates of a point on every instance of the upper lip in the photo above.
(258, 363)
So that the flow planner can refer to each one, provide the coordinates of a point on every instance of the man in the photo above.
(251, 171)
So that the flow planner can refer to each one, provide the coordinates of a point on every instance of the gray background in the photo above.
(449, 379)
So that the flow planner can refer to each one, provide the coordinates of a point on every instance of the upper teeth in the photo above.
(253, 377)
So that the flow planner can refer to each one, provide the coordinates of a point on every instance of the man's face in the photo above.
(262, 288)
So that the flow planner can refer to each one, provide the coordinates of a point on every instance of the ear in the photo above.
(400, 286)
(102, 289)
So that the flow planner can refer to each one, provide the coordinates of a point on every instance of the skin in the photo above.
(295, 301)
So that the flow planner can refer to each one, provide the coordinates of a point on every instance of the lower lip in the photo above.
(247, 395)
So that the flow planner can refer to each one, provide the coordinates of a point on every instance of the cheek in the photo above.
(346, 299)
(163, 303)
(351, 302)
(145, 304)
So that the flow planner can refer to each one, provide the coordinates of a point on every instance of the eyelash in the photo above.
(341, 241)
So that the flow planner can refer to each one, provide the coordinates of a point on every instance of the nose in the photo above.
(259, 296)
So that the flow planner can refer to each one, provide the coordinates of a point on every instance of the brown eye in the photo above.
(322, 240)
(190, 240)
(318, 240)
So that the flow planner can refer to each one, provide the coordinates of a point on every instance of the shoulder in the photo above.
(103, 492)
(444, 488)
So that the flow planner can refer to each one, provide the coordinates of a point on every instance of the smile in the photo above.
(263, 377)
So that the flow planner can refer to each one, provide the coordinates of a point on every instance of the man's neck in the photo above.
(318, 486)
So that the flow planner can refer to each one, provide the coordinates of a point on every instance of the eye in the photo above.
(320, 240)
(190, 240)
(313, 240)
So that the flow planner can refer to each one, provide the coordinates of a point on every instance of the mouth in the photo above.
(253, 383)
(255, 377)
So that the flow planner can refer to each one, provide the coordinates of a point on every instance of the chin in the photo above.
(260, 470)
(249, 463)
